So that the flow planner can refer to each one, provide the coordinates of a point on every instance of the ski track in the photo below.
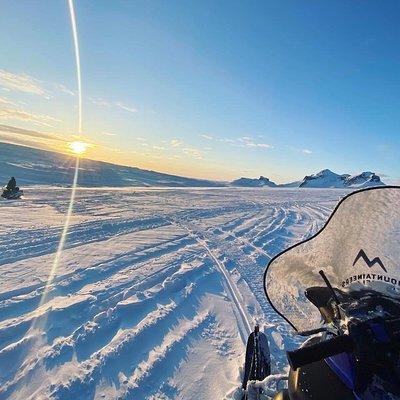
(149, 283)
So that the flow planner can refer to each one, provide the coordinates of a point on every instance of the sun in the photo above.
(78, 147)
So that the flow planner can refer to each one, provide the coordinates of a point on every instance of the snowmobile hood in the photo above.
(358, 248)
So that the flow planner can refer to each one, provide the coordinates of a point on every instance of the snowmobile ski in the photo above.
(258, 360)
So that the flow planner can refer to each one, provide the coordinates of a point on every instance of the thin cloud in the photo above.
(22, 141)
(306, 151)
(188, 151)
(41, 140)
(99, 102)
(22, 115)
(249, 142)
(22, 83)
(208, 137)
(125, 107)
(4, 100)
(226, 140)
(176, 143)
(109, 134)
(259, 145)
(114, 149)
(9, 129)
(62, 88)
(195, 153)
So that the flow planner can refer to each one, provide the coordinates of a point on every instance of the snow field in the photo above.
(155, 292)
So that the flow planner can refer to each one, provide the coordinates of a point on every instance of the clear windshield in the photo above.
(358, 248)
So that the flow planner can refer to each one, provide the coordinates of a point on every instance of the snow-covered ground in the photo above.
(155, 292)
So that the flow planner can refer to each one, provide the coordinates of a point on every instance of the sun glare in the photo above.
(78, 147)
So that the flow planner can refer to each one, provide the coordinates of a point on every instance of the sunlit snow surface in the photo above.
(154, 291)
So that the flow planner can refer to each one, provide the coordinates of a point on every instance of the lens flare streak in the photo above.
(78, 62)
(67, 221)
(64, 235)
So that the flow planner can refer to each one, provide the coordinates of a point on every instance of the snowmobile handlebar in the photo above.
(309, 354)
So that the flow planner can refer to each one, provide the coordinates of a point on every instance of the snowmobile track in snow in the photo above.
(155, 293)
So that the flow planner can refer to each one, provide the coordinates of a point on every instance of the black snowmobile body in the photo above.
(12, 194)
(316, 380)
(311, 375)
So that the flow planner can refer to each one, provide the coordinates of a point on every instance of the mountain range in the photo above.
(323, 179)
(33, 166)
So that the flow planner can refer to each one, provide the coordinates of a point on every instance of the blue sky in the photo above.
(212, 89)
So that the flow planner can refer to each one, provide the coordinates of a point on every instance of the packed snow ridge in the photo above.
(323, 179)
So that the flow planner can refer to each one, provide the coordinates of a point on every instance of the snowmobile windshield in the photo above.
(358, 248)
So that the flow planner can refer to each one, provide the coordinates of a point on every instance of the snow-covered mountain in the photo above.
(323, 179)
(250, 182)
(34, 166)
(328, 179)
(364, 179)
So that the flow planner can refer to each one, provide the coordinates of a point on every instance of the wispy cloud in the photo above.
(259, 145)
(208, 137)
(62, 88)
(186, 150)
(123, 106)
(44, 140)
(245, 141)
(109, 133)
(176, 143)
(4, 100)
(195, 153)
(22, 115)
(99, 102)
(141, 139)
(226, 140)
(114, 149)
(306, 151)
(22, 83)
(30, 133)
(25, 141)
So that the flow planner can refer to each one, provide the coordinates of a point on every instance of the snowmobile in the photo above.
(12, 194)
(341, 289)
